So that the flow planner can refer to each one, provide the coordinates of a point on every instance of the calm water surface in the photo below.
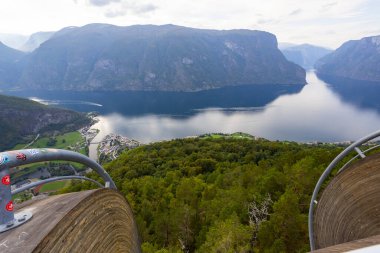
(319, 111)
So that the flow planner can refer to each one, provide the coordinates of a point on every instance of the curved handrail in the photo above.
(353, 158)
(16, 158)
(323, 177)
(53, 179)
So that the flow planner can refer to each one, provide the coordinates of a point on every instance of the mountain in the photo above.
(10, 65)
(149, 57)
(13, 40)
(356, 60)
(305, 55)
(284, 45)
(35, 40)
(20, 118)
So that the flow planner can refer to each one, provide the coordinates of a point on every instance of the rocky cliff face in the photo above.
(169, 58)
(357, 60)
(20, 118)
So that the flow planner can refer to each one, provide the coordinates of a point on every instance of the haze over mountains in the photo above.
(10, 65)
(35, 40)
(305, 55)
(25, 43)
(15, 41)
(355, 59)
(148, 57)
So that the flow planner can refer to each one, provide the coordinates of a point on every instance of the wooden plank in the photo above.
(354, 245)
(89, 221)
(349, 208)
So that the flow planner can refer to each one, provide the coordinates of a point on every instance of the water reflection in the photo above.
(137, 103)
(315, 112)
(360, 93)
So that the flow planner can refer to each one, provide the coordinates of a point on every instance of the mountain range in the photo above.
(149, 57)
(355, 60)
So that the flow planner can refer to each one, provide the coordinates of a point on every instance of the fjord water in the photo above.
(318, 111)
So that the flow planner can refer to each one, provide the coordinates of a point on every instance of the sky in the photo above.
(327, 23)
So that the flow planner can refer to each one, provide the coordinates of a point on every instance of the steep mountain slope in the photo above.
(10, 67)
(35, 40)
(20, 118)
(305, 55)
(147, 57)
(356, 59)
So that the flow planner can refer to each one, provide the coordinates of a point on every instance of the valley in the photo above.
(214, 132)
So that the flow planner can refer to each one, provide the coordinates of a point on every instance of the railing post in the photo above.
(15, 158)
(8, 219)
(6, 204)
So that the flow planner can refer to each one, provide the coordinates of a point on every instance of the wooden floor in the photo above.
(359, 244)
(349, 207)
(89, 221)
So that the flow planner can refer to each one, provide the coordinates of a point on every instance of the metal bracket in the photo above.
(361, 154)
(20, 218)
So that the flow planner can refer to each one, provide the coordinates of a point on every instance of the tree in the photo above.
(229, 236)
(286, 230)
(257, 214)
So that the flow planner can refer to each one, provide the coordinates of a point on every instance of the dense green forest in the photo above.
(221, 194)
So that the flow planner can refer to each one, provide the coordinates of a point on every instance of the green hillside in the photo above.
(21, 120)
(196, 194)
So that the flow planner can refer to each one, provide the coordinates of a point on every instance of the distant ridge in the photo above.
(149, 57)
(35, 40)
(305, 55)
(355, 59)
(10, 65)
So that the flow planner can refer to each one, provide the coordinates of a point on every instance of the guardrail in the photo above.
(353, 147)
(10, 159)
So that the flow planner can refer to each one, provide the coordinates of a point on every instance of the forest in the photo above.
(220, 194)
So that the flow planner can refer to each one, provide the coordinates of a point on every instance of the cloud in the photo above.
(102, 2)
(115, 13)
(295, 12)
(129, 7)
(328, 6)
(144, 8)
(262, 21)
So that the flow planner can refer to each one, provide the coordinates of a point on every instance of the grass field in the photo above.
(73, 141)
(27, 170)
(54, 186)
(234, 136)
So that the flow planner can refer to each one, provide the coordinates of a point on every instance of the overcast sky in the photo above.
(322, 22)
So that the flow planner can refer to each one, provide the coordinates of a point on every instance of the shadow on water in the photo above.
(133, 103)
(362, 94)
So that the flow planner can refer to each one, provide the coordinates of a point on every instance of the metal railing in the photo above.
(353, 147)
(11, 159)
